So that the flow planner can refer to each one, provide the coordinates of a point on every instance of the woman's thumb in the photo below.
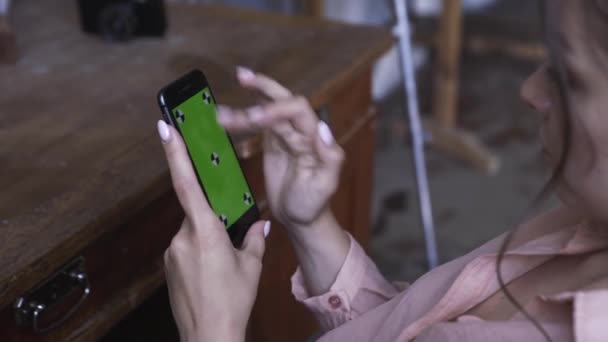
(255, 241)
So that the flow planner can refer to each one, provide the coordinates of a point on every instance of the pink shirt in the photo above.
(362, 306)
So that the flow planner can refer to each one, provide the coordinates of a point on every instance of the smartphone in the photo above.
(188, 105)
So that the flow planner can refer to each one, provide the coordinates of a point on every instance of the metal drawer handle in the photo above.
(30, 307)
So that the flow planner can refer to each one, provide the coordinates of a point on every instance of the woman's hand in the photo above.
(302, 163)
(212, 285)
(302, 160)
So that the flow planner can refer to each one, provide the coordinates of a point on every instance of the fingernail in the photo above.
(546, 105)
(325, 133)
(163, 131)
(266, 229)
(256, 114)
(244, 74)
(224, 114)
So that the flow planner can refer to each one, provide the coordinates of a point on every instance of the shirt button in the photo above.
(335, 302)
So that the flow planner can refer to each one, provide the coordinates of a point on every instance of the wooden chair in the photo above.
(314, 7)
(442, 126)
(8, 45)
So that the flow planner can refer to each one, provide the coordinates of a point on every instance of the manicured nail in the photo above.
(245, 74)
(266, 229)
(546, 105)
(163, 131)
(325, 133)
(224, 114)
(256, 113)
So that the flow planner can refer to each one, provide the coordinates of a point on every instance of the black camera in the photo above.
(121, 20)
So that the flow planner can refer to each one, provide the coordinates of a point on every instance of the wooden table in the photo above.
(82, 171)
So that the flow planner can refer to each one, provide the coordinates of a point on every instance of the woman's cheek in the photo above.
(582, 167)
(553, 139)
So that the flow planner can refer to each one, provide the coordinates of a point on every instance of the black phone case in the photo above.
(174, 94)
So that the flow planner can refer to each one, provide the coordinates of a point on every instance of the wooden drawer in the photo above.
(123, 267)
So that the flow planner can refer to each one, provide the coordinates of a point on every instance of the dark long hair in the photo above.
(558, 75)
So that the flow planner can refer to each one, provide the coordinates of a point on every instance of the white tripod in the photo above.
(402, 30)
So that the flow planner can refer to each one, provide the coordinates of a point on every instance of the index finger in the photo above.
(294, 111)
(262, 83)
(184, 179)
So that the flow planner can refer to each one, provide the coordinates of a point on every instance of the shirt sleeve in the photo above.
(359, 287)
(500, 331)
(591, 316)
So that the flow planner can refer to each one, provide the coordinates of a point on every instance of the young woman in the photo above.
(551, 282)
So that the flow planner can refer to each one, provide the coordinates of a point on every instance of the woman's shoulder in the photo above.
(545, 223)
(548, 222)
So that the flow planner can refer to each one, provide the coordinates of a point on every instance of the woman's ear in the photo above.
(535, 90)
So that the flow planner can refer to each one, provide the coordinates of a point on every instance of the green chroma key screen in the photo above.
(214, 158)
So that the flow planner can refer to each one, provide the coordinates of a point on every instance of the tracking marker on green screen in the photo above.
(214, 158)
